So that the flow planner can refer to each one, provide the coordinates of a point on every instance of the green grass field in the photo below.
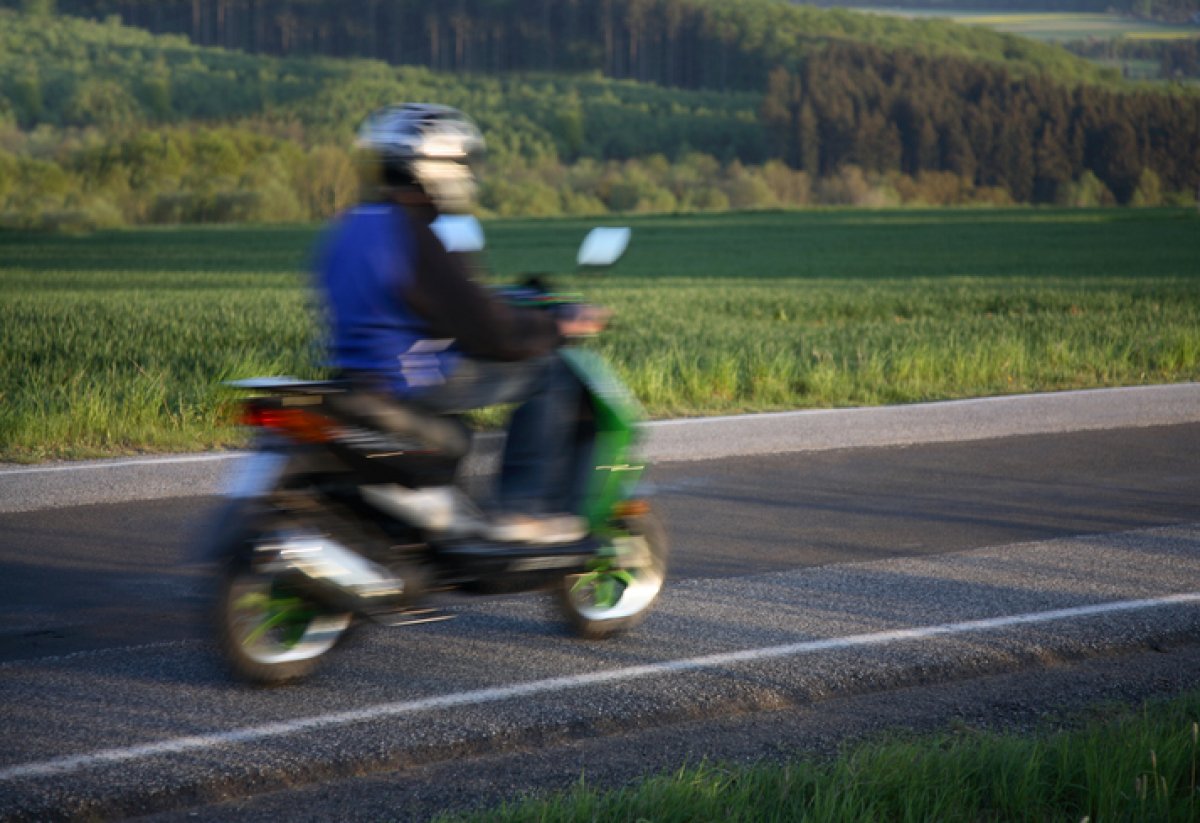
(116, 342)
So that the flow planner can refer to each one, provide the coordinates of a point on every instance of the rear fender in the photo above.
(258, 474)
(246, 500)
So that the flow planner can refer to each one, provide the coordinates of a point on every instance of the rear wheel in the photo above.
(268, 632)
(620, 589)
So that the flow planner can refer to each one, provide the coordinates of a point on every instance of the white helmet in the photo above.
(425, 145)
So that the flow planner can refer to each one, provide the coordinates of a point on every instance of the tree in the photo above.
(1149, 190)
(1115, 158)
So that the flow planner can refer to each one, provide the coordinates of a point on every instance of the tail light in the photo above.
(299, 424)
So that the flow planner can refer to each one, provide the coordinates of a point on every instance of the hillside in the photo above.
(103, 124)
(722, 44)
(68, 72)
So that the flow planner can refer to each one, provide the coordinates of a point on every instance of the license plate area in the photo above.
(256, 475)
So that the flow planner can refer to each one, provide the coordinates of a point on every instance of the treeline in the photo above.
(886, 111)
(723, 44)
(186, 175)
(1170, 11)
(105, 125)
(1176, 59)
(68, 73)
(89, 180)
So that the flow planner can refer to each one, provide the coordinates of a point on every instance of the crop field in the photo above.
(1055, 26)
(117, 342)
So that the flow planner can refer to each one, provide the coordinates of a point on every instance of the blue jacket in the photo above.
(405, 310)
(365, 270)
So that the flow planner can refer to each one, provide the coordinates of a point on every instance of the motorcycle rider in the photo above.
(409, 323)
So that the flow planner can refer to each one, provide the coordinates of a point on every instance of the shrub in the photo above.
(1088, 191)
(1148, 191)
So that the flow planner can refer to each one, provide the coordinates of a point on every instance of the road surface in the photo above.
(797, 579)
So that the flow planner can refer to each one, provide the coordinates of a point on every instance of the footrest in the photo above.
(502, 558)
(410, 617)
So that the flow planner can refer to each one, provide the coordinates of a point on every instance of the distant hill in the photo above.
(68, 72)
(106, 124)
(721, 44)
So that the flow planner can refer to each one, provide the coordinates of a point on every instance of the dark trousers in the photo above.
(544, 453)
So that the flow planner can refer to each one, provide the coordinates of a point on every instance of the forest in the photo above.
(103, 124)
(880, 110)
(721, 44)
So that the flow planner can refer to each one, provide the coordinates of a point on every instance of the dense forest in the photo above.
(721, 44)
(857, 104)
(103, 124)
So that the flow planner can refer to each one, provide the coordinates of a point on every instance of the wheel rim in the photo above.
(272, 627)
(620, 586)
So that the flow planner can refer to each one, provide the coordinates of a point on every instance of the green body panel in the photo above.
(617, 415)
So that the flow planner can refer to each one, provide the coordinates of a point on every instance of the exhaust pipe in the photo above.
(333, 573)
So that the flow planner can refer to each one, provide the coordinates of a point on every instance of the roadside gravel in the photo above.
(1053, 695)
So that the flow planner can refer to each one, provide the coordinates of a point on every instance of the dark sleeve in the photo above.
(443, 292)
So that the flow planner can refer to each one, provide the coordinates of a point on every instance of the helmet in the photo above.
(431, 147)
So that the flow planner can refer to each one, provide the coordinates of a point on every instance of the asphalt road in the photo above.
(796, 578)
(94, 577)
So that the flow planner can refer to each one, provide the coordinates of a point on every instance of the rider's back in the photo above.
(364, 270)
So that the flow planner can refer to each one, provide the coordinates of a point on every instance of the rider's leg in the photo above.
(539, 449)
(538, 467)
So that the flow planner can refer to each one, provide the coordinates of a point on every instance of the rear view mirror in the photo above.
(603, 246)
(459, 232)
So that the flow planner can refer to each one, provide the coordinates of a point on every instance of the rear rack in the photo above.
(288, 385)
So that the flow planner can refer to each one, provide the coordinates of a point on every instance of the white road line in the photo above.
(121, 464)
(1052, 397)
(74, 763)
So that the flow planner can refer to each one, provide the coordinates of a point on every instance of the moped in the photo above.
(329, 521)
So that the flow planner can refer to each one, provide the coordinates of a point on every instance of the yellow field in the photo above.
(1057, 26)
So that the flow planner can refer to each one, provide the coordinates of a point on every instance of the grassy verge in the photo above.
(117, 342)
(1140, 765)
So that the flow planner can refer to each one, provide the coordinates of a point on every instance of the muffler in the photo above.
(331, 572)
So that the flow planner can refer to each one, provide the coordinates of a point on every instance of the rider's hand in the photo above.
(583, 321)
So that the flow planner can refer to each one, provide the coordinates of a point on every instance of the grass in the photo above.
(116, 342)
(1136, 765)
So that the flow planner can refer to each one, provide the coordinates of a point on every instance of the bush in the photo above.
(581, 203)
(327, 182)
(103, 103)
(851, 187)
(1088, 191)
(1148, 191)
(511, 198)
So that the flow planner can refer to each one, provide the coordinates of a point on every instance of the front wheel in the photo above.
(268, 632)
(618, 592)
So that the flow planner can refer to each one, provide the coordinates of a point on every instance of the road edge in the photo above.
(58, 485)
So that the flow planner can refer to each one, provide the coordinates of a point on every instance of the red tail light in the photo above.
(298, 424)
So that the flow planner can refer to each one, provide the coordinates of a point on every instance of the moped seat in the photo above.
(449, 436)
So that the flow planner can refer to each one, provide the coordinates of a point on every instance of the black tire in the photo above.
(644, 561)
(267, 634)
